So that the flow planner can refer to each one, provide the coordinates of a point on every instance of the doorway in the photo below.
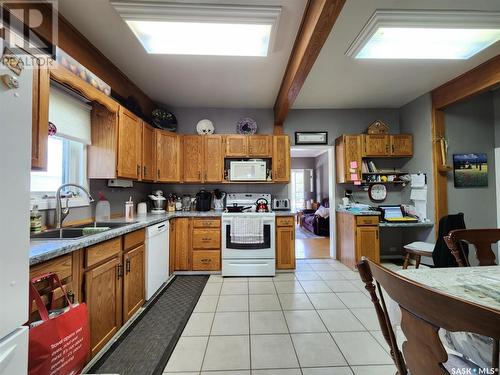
(312, 193)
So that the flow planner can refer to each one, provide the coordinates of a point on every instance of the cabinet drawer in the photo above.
(367, 220)
(206, 223)
(206, 239)
(285, 221)
(62, 266)
(206, 260)
(133, 239)
(97, 253)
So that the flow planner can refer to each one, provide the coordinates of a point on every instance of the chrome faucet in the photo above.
(61, 213)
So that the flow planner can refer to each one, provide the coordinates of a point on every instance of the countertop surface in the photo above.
(358, 212)
(43, 250)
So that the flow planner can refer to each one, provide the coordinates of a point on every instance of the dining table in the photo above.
(480, 285)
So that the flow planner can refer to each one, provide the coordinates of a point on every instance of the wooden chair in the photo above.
(482, 239)
(424, 311)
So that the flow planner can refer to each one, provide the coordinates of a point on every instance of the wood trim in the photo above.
(477, 80)
(317, 22)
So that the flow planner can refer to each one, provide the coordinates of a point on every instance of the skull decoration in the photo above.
(205, 127)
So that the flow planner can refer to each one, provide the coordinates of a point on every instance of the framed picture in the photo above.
(470, 170)
(311, 138)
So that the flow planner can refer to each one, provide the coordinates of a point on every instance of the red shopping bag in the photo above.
(59, 345)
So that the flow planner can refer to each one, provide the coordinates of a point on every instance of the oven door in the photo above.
(232, 250)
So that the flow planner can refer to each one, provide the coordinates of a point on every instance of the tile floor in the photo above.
(316, 321)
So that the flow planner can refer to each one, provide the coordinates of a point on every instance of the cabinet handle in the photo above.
(138, 170)
(119, 271)
(376, 235)
(205, 239)
(144, 170)
(205, 260)
(199, 175)
(158, 173)
(393, 149)
(127, 266)
(71, 296)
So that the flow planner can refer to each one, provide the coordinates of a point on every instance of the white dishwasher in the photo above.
(157, 243)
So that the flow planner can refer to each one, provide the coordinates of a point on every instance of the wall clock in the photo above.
(377, 192)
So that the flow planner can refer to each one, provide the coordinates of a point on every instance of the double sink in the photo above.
(75, 233)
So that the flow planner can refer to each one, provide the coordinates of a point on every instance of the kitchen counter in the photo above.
(359, 212)
(43, 250)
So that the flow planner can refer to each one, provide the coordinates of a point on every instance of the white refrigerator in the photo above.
(15, 165)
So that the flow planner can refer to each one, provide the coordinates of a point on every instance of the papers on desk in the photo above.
(419, 194)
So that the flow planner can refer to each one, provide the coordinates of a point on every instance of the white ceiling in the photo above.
(307, 152)
(190, 81)
(339, 81)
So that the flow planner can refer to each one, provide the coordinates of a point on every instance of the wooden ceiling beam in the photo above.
(317, 22)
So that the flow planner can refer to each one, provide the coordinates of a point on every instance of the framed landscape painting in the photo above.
(470, 170)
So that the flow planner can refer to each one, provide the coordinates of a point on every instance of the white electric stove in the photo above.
(248, 259)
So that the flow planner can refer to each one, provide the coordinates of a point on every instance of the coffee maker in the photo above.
(203, 200)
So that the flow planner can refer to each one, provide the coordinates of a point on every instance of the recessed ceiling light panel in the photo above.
(426, 35)
(201, 29)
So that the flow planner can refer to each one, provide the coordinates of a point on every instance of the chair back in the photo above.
(482, 239)
(441, 254)
(424, 311)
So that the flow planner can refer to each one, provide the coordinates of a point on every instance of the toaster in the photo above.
(281, 204)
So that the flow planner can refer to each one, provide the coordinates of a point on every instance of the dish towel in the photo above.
(246, 230)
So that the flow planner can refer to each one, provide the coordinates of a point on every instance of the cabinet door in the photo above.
(192, 151)
(367, 243)
(148, 153)
(182, 244)
(171, 246)
(168, 160)
(376, 145)
(213, 161)
(402, 145)
(133, 281)
(129, 145)
(236, 145)
(40, 113)
(351, 151)
(260, 145)
(281, 158)
(285, 248)
(103, 295)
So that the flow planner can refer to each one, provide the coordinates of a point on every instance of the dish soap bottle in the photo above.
(102, 209)
(35, 220)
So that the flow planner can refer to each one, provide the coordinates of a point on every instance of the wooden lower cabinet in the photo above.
(133, 281)
(368, 243)
(206, 260)
(285, 242)
(103, 295)
(182, 249)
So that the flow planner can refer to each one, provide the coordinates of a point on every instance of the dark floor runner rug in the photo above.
(146, 346)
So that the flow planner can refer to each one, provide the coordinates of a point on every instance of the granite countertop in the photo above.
(358, 212)
(423, 224)
(43, 250)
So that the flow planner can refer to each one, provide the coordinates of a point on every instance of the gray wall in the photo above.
(322, 175)
(302, 163)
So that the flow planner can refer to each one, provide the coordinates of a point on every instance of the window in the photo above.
(298, 201)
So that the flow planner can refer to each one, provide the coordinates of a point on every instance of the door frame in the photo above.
(331, 190)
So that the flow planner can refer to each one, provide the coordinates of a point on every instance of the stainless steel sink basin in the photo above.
(75, 233)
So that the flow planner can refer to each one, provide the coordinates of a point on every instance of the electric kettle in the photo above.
(262, 205)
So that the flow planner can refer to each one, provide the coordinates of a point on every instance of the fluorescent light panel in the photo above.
(456, 35)
(199, 38)
(201, 29)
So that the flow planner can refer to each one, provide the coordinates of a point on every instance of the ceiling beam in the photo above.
(317, 22)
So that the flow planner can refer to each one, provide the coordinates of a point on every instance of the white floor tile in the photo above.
(355, 299)
(227, 353)
(272, 351)
(352, 344)
(230, 323)
(317, 349)
(256, 279)
(181, 373)
(235, 279)
(233, 303)
(327, 371)
(368, 317)
(267, 322)
(199, 324)
(350, 275)
(303, 267)
(340, 320)
(321, 267)
(284, 276)
(215, 279)
(289, 371)
(330, 275)
(244, 372)
(295, 302)
(325, 301)
(288, 287)
(341, 286)
(234, 288)
(264, 302)
(304, 321)
(206, 304)
(317, 260)
(261, 288)
(374, 370)
(187, 355)
(318, 286)
(307, 276)
(381, 340)
(212, 289)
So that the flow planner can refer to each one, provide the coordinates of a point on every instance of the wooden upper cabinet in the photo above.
(213, 159)
(192, 152)
(281, 158)
(260, 145)
(236, 145)
(401, 145)
(376, 145)
(168, 156)
(40, 115)
(348, 149)
(129, 145)
(148, 152)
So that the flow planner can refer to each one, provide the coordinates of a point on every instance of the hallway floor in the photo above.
(315, 321)
(312, 248)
